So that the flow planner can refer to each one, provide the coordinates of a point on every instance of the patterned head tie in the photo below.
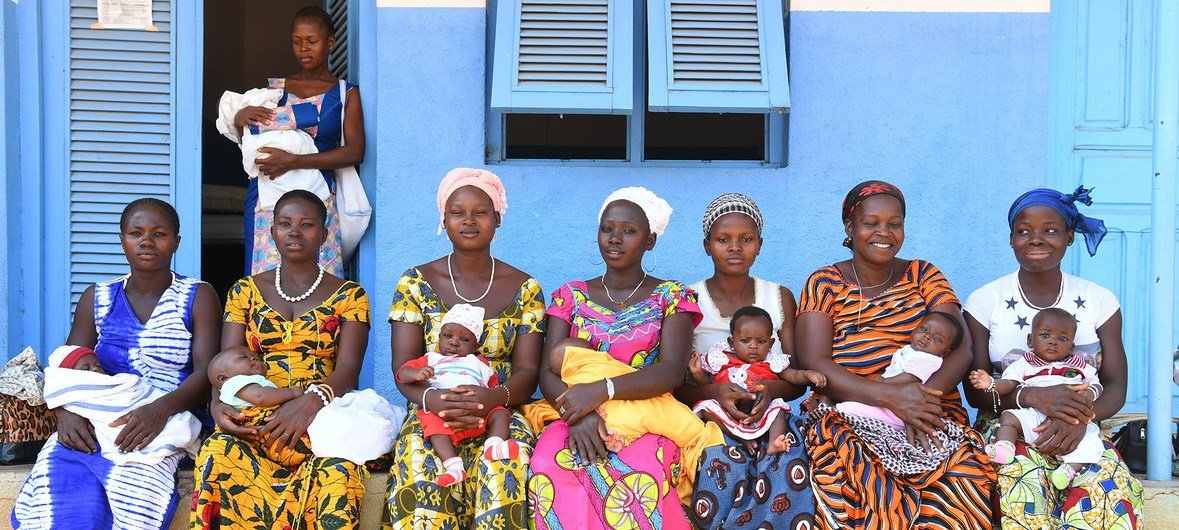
(467, 316)
(479, 178)
(731, 203)
(867, 189)
(1064, 204)
(657, 210)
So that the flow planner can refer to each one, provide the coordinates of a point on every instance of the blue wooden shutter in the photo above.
(120, 134)
(556, 56)
(338, 57)
(716, 56)
(1101, 78)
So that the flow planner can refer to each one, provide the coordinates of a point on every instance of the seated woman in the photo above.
(310, 328)
(1104, 495)
(733, 239)
(645, 324)
(471, 203)
(853, 316)
(152, 323)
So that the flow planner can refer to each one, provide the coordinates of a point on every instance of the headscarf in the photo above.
(479, 178)
(466, 315)
(657, 210)
(67, 356)
(1065, 205)
(731, 203)
(866, 189)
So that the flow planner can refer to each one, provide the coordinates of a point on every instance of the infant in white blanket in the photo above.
(75, 380)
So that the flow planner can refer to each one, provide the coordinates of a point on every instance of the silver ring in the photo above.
(562, 411)
(285, 435)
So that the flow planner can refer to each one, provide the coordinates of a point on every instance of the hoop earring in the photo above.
(654, 263)
(590, 255)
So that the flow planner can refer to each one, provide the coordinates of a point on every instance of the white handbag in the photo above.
(352, 204)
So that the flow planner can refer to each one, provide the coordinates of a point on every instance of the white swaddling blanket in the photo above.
(358, 426)
(295, 141)
(103, 398)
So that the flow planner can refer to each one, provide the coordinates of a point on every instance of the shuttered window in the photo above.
(716, 56)
(338, 55)
(120, 127)
(555, 56)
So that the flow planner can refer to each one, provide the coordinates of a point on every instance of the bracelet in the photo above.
(507, 394)
(994, 396)
(1094, 388)
(424, 392)
(322, 395)
(331, 392)
(609, 389)
(1018, 392)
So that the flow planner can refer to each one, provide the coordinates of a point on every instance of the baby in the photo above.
(240, 376)
(74, 379)
(935, 335)
(455, 364)
(747, 361)
(1050, 362)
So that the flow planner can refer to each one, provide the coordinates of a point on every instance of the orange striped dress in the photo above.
(852, 488)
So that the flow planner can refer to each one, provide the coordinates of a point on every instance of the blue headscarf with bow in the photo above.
(1065, 205)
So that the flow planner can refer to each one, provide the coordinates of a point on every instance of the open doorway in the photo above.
(244, 44)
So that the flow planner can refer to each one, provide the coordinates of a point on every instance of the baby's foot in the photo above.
(454, 472)
(1062, 477)
(751, 447)
(496, 448)
(778, 445)
(1001, 452)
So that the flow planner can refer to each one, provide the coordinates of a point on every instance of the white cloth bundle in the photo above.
(296, 142)
(103, 398)
(358, 426)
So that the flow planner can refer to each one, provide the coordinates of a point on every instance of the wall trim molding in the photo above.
(924, 6)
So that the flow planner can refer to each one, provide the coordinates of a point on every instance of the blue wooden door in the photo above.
(1101, 67)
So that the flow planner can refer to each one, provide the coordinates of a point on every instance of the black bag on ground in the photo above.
(1130, 442)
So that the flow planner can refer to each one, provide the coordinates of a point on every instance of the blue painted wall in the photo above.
(952, 107)
(10, 161)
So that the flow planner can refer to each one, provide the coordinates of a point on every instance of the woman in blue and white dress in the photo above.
(152, 323)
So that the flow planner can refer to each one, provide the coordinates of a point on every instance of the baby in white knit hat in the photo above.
(457, 363)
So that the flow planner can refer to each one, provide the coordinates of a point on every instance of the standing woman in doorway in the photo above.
(311, 102)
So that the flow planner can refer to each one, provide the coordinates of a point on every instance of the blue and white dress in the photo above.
(72, 489)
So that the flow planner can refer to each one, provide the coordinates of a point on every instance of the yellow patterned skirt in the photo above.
(239, 488)
(491, 497)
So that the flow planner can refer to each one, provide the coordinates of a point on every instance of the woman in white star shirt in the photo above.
(1104, 495)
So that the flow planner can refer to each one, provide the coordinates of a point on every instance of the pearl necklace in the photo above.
(1028, 301)
(622, 304)
(294, 299)
(490, 281)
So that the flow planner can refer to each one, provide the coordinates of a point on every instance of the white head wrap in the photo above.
(467, 316)
(657, 210)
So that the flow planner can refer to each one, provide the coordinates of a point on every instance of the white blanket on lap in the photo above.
(103, 398)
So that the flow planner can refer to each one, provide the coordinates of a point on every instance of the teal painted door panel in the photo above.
(1101, 68)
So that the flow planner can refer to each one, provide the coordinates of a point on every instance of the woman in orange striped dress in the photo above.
(852, 316)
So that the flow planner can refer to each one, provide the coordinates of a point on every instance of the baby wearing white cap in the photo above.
(454, 364)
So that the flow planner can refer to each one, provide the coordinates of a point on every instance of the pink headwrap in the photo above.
(479, 178)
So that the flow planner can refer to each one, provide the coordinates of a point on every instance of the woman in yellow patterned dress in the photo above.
(309, 327)
(471, 202)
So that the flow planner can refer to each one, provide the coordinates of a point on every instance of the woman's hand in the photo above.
(580, 400)
(1071, 404)
(917, 405)
(728, 394)
(140, 426)
(463, 407)
(228, 421)
(586, 438)
(920, 439)
(1057, 437)
(252, 115)
(74, 431)
(276, 164)
(290, 421)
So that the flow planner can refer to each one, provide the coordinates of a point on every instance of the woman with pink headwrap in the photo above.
(471, 203)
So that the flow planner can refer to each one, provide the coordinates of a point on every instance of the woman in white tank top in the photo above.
(732, 238)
